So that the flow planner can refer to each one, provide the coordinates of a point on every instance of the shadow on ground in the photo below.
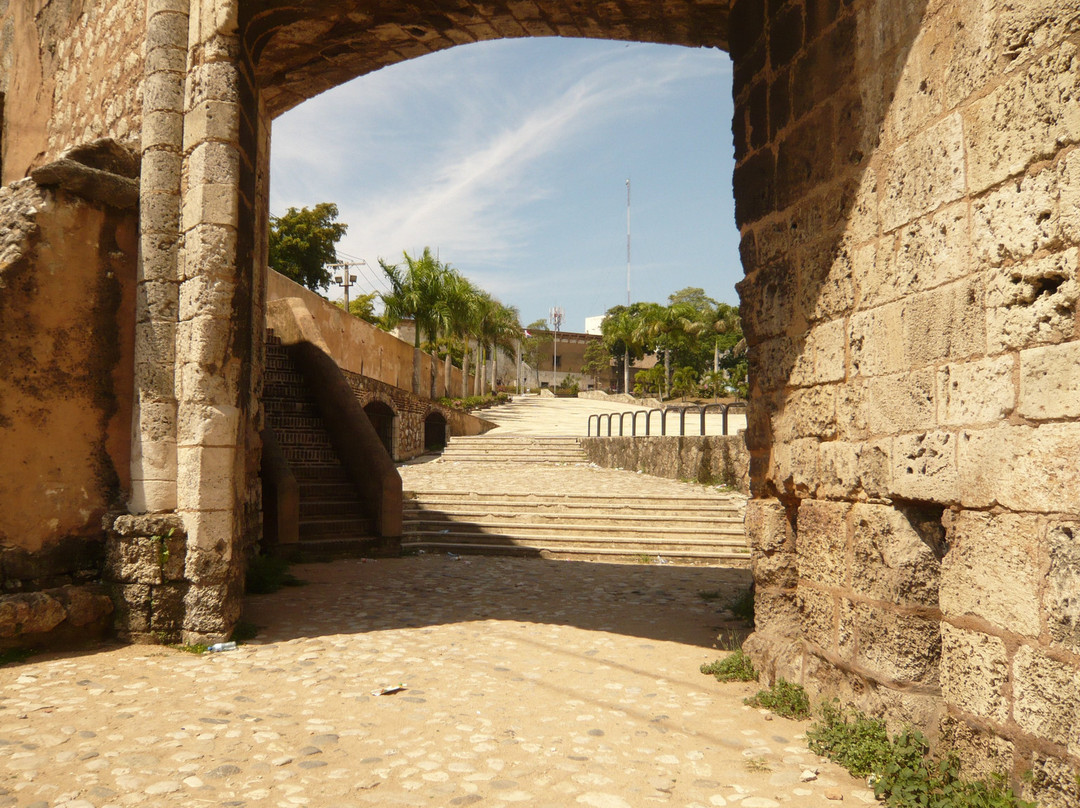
(656, 602)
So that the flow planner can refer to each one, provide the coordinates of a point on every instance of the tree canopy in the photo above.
(302, 243)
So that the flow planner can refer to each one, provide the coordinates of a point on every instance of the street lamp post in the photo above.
(344, 277)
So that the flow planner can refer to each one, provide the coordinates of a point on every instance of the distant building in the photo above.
(592, 324)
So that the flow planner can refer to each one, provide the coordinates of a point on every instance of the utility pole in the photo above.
(556, 321)
(345, 278)
(628, 242)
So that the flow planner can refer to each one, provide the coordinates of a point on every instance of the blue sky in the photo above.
(510, 158)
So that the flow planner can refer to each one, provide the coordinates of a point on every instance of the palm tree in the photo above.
(459, 304)
(671, 326)
(415, 293)
(624, 333)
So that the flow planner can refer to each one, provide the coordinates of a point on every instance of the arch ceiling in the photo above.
(300, 48)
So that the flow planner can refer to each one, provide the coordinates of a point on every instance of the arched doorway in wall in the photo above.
(383, 418)
(435, 432)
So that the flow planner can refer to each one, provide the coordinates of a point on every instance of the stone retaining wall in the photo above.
(713, 459)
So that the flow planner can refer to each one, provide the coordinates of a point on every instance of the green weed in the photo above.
(783, 698)
(736, 667)
(903, 772)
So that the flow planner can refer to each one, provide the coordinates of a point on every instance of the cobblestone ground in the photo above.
(526, 682)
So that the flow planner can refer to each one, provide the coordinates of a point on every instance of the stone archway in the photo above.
(906, 185)
(383, 418)
(435, 432)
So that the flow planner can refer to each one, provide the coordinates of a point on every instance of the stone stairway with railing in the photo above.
(695, 526)
(332, 521)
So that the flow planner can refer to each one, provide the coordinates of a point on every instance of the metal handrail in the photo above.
(700, 409)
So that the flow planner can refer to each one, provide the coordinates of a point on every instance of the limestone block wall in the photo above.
(70, 72)
(906, 188)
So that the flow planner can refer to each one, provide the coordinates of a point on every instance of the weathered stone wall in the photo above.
(711, 459)
(905, 187)
(67, 271)
(70, 72)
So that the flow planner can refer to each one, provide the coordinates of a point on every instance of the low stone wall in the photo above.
(619, 398)
(719, 459)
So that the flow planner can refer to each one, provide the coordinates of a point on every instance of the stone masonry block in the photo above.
(1032, 303)
(807, 413)
(776, 612)
(209, 425)
(1025, 119)
(826, 279)
(1061, 600)
(874, 460)
(877, 341)
(1020, 217)
(209, 384)
(795, 465)
(852, 406)
(975, 392)
(1050, 382)
(974, 673)
(924, 467)
(821, 359)
(207, 338)
(838, 470)
(210, 536)
(896, 645)
(903, 402)
(1053, 782)
(213, 163)
(163, 93)
(817, 613)
(205, 295)
(992, 570)
(895, 554)
(981, 753)
(821, 542)
(768, 528)
(1022, 468)
(210, 204)
(208, 473)
(217, 121)
(924, 173)
(212, 251)
(1046, 697)
(946, 323)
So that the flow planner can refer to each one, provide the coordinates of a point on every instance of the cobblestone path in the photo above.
(526, 682)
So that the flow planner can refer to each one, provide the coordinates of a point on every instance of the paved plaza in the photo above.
(526, 682)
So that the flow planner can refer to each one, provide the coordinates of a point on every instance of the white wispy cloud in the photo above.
(451, 153)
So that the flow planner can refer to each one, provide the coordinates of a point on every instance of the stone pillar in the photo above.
(212, 335)
(153, 446)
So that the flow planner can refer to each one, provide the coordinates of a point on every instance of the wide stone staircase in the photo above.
(514, 448)
(332, 521)
(703, 528)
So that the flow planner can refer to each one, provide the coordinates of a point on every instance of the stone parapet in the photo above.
(713, 459)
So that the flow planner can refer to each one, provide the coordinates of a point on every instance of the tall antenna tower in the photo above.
(628, 241)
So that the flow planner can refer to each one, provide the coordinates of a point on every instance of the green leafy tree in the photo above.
(532, 344)
(597, 362)
(302, 243)
(363, 306)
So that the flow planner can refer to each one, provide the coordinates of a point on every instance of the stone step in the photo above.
(712, 558)
(451, 499)
(608, 520)
(325, 527)
(613, 510)
(608, 532)
(514, 458)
